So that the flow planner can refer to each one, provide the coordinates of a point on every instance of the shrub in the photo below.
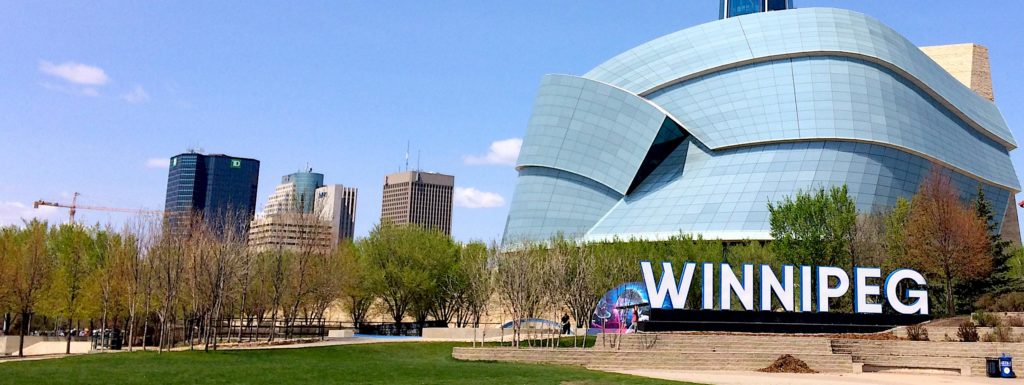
(917, 333)
(967, 332)
(1008, 302)
(1015, 321)
(1000, 334)
(986, 319)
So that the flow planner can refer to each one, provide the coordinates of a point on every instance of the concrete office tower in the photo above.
(210, 185)
(336, 204)
(418, 197)
(291, 230)
(968, 63)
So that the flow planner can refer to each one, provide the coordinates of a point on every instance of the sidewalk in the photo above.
(758, 378)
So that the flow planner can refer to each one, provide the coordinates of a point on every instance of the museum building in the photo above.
(696, 131)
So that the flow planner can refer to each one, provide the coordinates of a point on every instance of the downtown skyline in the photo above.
(100, 97)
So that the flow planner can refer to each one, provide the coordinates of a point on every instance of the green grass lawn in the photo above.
(389, 363)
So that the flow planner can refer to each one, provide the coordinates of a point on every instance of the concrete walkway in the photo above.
(757, 378)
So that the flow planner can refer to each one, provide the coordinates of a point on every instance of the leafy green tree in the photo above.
(814, 228)
(895, 240)
(404, 264)
(71, 244)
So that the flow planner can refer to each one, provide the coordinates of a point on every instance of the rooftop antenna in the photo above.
(407, 155)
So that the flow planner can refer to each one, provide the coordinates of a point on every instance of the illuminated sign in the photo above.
(236, 163)
(676, 291)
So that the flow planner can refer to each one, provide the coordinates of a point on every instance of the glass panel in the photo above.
(777, 5)
(743, 7)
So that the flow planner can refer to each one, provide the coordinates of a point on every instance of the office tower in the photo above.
(304, 213)
(336, 204)
(418, 197)
(210, 185)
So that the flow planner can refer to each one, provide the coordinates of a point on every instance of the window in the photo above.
(742, 7)
(776, 5)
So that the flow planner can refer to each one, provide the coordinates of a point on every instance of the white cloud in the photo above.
(75, 72)
(503, 152)
(136, 95)
(472, 198)
(158, 163)
(15, 213)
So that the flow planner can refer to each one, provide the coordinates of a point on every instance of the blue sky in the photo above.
(95, 96)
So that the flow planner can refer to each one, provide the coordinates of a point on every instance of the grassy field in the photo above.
(392, 363)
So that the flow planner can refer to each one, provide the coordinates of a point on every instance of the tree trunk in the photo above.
(950, 309)
(67, 349)
(24, 329)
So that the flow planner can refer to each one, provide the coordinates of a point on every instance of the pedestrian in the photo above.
(636, 317)
(565, 324)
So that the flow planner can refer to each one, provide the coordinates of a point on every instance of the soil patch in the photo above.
(788, 364)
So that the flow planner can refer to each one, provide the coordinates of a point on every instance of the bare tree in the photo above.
(519, 283)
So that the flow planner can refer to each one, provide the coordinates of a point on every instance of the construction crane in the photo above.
(74, 206)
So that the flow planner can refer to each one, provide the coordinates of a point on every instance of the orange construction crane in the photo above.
(75, 206)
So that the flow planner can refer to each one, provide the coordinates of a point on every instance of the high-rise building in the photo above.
(215, 184)
(336, 204)
(295, 193)
(418, 197)
(303, 212)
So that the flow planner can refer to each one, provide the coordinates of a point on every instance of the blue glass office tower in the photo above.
(210, 185)
(306, 183)
(696, 131)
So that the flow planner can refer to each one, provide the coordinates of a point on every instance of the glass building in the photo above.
(210, 185)
(696, 131)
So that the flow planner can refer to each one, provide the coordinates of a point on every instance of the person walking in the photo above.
(565, 324)
(636, 317)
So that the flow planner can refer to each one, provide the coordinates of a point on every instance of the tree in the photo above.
(520, 283)
(356, 287)
(400, 267)
(71, 245)
(814, 229)
(895, 239)
(945, 238)
(474, 265)
(31, 269)
(1001, 279)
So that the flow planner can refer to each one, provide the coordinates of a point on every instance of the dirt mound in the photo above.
(788, 364)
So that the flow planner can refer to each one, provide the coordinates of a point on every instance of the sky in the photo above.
(96, 96)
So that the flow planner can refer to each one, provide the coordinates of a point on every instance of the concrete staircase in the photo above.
(965, 358)
(677, 351)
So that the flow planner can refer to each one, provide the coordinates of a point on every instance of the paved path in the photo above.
(756, 378)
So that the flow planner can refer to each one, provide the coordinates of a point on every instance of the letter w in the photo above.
(677, 293)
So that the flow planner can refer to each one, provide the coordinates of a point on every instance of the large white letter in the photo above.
(825, 292)
(709, 286)
(892, 282)
(770, 284)
(805, 288)
(861, 290)
(677, 294)
(730, 284)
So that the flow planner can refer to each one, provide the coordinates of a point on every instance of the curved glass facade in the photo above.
(695, 132)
